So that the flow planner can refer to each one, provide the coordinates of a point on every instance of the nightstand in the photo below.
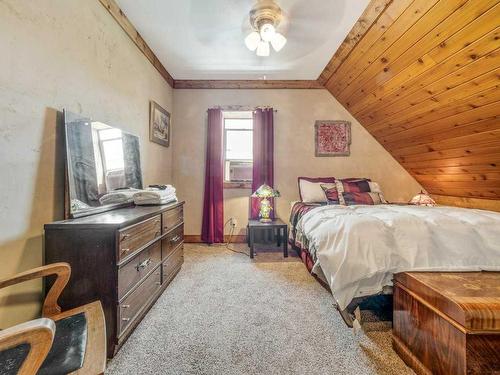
(282, 233)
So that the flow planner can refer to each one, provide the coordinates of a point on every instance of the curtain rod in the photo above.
(240, 108)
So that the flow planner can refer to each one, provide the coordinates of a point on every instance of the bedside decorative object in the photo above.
(332, 138)
(159, 124)
(265, 192)
(422, 199)
(282, 233)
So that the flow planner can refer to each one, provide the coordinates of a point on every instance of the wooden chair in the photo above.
(71, 342)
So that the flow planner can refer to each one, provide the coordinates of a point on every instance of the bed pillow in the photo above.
(354, 185)
(369, 198)
(331, 193)
(359, 185)
(310, 190)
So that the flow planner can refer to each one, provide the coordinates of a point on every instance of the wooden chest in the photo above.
(125, 258)
(448, 323)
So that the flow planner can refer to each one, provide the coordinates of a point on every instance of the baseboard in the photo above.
(196, 238)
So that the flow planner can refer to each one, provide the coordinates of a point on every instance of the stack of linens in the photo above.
(155, 196)
(119, 196)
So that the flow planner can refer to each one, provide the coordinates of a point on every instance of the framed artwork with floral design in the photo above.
(332, 138)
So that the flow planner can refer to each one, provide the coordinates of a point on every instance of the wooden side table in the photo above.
(282, 233)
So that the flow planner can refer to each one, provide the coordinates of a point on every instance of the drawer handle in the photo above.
(125, 236)
(143, 265)
(157, 233)
(125, 306)
(125, 319)
(175, 239)
(125, 251)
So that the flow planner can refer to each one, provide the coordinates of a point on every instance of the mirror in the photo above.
(103, 165)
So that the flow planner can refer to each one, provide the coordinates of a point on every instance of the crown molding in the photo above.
(247, 84)
(132, 32)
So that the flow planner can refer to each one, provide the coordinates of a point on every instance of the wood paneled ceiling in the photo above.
(422, 77)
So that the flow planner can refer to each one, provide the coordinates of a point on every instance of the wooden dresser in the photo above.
(125, 258)
(448, 322)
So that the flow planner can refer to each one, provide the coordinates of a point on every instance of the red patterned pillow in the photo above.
(331, 193)
(359, 186)
(369, 198)
(354, 185)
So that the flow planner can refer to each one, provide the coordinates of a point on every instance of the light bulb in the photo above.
(267, 32)
(252, 40)
(263, 49)
(278, 42)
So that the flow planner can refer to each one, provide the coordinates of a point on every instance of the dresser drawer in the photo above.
(135, 270)
(171, 241)
(172, 264)
(172, 218)
(131, 306)
(132, 238)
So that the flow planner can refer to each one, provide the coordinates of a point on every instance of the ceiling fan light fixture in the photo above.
(265, 18)
(267, 32)
(278, 42)
(263, 49)
(252, 40)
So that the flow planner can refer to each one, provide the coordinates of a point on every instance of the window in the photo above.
(112, 147)
(238, 149)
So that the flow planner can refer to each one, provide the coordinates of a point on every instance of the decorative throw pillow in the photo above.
(359, 185)
(354, 185)
(310, 190)
(369, 198)
(331, 193)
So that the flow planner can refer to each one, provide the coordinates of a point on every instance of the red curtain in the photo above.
(263, 155)
(212, 230)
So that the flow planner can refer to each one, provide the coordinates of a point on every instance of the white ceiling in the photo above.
(203, 39)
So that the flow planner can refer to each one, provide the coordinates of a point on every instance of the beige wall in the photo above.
(294, 149)
(60, 54)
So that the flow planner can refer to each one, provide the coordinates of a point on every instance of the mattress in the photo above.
(357, 249)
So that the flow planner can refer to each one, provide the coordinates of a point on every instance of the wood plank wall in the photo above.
(422, 77)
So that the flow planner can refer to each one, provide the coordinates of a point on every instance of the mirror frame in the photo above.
(94, 210)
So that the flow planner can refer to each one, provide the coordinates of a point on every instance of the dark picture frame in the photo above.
(159, 124)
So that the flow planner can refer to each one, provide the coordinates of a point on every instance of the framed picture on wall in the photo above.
(159, 124)
(332, 138)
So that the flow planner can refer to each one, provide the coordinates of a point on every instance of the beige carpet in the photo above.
(227, 314)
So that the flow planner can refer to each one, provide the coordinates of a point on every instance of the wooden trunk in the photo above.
(448, 322)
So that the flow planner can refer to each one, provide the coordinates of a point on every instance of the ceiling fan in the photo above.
(265, 18)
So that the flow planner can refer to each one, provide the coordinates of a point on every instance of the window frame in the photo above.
(235, 115)
(103, 153)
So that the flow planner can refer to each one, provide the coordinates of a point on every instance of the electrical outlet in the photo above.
(233, 222)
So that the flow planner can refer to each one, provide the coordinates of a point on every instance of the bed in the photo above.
(355, 250)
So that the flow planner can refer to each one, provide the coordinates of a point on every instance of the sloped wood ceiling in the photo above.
(422, 77)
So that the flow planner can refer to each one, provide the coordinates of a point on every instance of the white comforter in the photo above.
(359, 248)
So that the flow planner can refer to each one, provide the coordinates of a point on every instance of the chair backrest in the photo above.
(23, 348)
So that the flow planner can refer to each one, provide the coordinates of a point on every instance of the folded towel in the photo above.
(140, 197)
(139, 201)
(119, 196)
(154, 193)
